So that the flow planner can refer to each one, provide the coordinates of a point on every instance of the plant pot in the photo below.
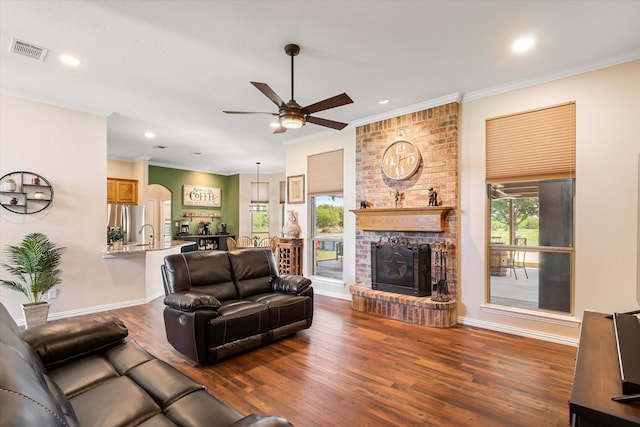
(35, 314)
(8, 186)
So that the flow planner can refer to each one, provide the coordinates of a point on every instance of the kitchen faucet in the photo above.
(153, 232)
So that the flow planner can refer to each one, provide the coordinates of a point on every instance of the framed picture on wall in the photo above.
(195, 195)
(295, 189)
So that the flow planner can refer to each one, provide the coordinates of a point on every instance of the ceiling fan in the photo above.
(290, 114)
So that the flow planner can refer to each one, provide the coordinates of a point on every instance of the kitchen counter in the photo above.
(139, 266)
(141, 249)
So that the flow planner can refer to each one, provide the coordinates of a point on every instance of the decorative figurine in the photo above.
(398, 195)
(433, 197)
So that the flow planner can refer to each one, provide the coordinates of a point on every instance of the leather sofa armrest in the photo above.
(290, 284)
(261, 421)
(191, 301)
(60, 342)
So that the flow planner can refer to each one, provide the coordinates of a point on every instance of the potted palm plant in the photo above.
(34, 264)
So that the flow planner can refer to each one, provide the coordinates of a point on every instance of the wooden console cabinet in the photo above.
(597, 378)
(290, 256)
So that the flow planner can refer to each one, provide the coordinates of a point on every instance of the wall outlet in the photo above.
(52, 294)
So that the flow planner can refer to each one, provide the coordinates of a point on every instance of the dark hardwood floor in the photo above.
(354, 369)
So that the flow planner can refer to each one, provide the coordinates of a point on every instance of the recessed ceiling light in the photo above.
(149, 135)
(160, 147)
(70, 60)
(197, 153)
(383, 101)
(523, 44)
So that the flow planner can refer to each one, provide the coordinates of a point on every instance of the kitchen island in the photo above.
(139, 264)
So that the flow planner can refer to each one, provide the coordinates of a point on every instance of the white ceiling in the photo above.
(171, 67)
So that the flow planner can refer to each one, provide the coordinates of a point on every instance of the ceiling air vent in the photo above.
(27, 49)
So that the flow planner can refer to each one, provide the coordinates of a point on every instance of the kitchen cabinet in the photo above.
(25, 192)
(122, 191)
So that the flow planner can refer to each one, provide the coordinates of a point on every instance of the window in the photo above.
(327, 236)
(530, 186)
(325, 186)
(531, 241)
(260, 221)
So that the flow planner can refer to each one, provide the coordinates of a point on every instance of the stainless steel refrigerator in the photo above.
(129, 218)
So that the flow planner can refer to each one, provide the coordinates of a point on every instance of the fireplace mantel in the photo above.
(424, 219)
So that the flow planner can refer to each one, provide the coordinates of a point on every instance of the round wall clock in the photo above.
(401, 160)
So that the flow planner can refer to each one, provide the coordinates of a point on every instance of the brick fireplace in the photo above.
(434, 131)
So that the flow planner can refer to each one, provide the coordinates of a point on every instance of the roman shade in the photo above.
(259, 192)
(532, 145)
(325, 173)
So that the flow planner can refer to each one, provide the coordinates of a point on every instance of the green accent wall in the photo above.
(174, 179)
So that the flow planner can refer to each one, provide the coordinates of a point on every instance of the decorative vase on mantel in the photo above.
(291, 229)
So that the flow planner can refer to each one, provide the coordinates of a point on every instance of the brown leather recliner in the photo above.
(221, 303)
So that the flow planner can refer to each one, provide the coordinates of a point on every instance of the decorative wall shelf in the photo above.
(201, 215)
(424, 219)
(32, 192)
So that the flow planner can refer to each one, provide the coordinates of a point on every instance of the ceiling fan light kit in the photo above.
(290, 114)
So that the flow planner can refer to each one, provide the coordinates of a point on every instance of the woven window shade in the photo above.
(532, 145)
(259, 192)
(325, 173)
(283, 191)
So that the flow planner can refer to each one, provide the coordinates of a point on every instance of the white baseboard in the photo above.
(95, 309)
(558, 339)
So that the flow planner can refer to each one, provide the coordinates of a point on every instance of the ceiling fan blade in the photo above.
(327, 123)
(269, 93)
(332, 102)
(250, 112)
(280, 129)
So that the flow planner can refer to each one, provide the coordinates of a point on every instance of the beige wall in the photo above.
(606, 200)
(68, 148)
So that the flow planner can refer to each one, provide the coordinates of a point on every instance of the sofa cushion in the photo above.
(82, 375)
(237, 320)
(162, 382)
(201, 409)
(253, 270)
(206, 272)
(285, 309)
(116, 401)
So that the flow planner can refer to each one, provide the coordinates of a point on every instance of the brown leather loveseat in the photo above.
(218, 303)
(84, 372)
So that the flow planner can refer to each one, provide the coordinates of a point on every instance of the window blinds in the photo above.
(325, 173)
(532, 145)
(259, 192)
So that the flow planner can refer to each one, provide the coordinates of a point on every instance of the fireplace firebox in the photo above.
(400, 267)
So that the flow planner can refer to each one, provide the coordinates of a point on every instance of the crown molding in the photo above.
(524, 83)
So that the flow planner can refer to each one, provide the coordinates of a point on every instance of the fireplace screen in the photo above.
(402, 269)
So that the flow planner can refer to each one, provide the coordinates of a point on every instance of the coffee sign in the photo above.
(194, 195)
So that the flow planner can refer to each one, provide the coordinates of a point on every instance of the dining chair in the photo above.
(515, 257)
(244, 242)
(269, 242)
(231, 244)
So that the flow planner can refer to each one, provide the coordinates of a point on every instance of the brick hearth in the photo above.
(410, 309)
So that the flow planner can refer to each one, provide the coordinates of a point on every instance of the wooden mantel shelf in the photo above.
(425, 219)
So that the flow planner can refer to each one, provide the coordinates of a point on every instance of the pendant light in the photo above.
(255, 205)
